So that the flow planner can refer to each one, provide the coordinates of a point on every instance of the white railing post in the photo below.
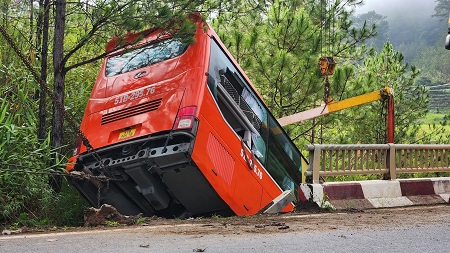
(316, 164)
(391, 162)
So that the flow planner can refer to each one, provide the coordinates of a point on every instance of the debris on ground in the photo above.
(280, 225)
(11, 231)
(107, 213)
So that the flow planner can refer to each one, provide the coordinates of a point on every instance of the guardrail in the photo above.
(362, 159)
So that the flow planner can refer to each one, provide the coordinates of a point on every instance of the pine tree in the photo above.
(279, 48)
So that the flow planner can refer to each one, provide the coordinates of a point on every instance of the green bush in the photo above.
(26, 199)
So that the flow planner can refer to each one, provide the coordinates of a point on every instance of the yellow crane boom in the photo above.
(332, 107)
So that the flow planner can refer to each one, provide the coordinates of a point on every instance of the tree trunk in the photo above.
(57, 133)
(31, 19)
(43, 29)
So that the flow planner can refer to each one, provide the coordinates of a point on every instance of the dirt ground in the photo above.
(307, 221)
(311, 221)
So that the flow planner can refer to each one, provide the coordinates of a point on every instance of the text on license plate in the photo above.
(127, 133)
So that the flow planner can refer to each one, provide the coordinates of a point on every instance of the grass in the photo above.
(435, 133)
(112, 223)
(435, 128)
(435, 118)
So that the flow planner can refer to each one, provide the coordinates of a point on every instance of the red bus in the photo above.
(182, 131)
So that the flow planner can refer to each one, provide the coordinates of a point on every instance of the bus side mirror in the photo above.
(447, 42)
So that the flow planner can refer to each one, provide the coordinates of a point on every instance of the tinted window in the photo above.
(144, 56)
(284, 161)
(222, 70)
(270, 145)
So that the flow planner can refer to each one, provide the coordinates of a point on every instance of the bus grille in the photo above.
(131, 111)
(222, 160)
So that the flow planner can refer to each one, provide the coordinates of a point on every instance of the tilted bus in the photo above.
(181, 131)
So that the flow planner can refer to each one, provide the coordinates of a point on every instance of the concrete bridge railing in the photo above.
(386, 159)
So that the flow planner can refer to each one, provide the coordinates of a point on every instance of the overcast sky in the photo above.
(399, 8)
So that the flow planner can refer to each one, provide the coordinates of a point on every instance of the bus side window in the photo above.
(259, 148)
(237, 102)
(212, 85)
(283, 163)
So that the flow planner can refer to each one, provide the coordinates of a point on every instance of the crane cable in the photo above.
(326, 63)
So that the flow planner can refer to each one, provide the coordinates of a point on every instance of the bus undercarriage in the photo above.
(154, 175)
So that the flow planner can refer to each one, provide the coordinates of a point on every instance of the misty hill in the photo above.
(411, 28)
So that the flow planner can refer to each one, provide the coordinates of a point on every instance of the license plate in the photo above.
(127, 133)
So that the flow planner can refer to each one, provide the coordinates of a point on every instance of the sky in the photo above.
(399, 8)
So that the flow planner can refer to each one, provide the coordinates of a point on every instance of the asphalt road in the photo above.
(403, 235)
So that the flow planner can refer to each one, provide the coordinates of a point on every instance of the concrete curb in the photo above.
(376, 193)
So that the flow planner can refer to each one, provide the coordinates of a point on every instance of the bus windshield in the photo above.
(144, 56)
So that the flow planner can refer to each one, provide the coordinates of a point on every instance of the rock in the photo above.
(99, 216)
(10, 231)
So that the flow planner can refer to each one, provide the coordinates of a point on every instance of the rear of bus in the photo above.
(141, 121)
